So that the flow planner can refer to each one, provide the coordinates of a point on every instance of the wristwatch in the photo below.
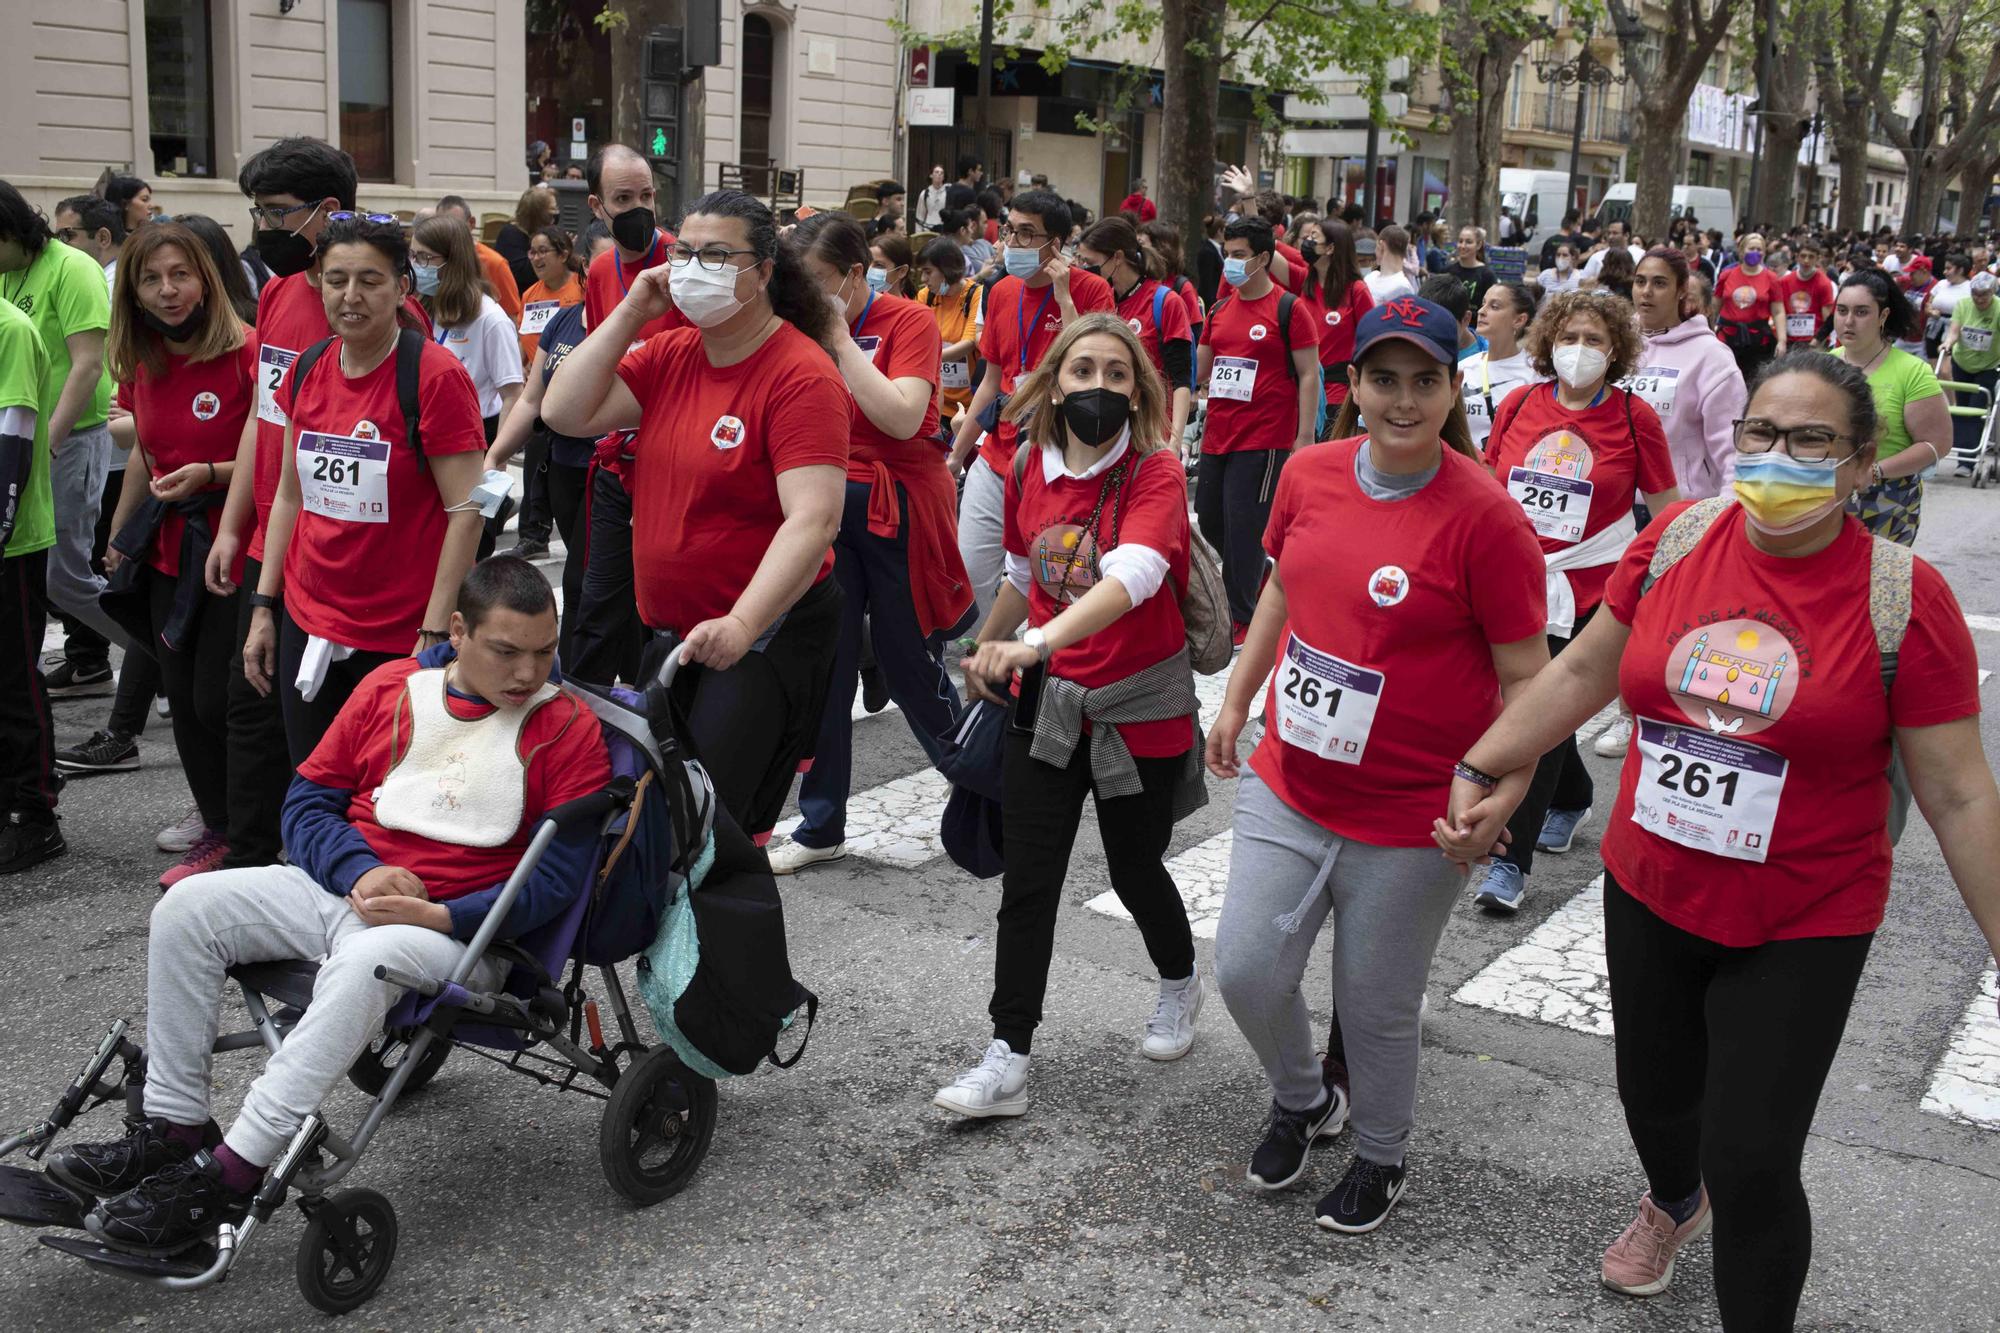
(263, 602)
(1039, 641)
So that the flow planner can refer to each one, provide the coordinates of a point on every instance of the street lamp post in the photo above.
(1586, 72)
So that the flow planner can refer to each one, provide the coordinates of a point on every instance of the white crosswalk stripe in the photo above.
(1966, 1085)
(1557, 974)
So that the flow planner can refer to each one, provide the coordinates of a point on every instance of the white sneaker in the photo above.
(789, 858)
(182, 837)
(1615, 739)
(1170, 1031)
(997, 1085)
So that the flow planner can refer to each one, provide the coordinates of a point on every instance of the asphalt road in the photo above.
(835, 1197)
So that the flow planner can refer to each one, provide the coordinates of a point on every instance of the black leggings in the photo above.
(307, 720)
(1721, 1057)
(260, 768)
(569, 491)
(1561, 782)
(1232, 501)
(602, 624)
(197, 682)
(1044, 806)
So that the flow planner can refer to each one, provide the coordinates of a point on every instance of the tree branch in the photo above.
(1243, 38)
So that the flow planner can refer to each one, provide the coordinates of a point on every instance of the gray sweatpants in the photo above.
(1389, 906)
(260, 914)
(981, 521)
(76, 486)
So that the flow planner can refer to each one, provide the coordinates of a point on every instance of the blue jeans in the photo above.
(874, 577)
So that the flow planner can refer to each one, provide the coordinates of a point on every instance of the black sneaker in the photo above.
(1288, 1138)
(28, 842)
(528, 549)
(168, 1212)
(69, 676)
(104, 752)
(1363, 1197)
(106, 1169)
(874, 689)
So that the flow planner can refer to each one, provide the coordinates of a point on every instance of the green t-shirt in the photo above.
(1900, 380)
(63, 292)
(1978, 346)
(21, 379)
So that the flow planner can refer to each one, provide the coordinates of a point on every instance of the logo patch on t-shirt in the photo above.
(1065, 562)
(1561, 453)
(1332, 318)
(1135, 325)
(1388, 585)
(1736, 677)
(1743, 296)
(728, 432)
(1257, 332)
(365, 429)
(206, 405)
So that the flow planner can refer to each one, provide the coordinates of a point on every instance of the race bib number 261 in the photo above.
(1712, 793)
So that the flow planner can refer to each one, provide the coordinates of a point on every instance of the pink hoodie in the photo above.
(1690, 378)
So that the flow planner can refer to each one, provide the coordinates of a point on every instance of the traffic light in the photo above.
(661, 69)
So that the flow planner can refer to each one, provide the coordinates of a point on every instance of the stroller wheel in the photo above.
(345, 1252)
(656, 1128)
(380, 1059)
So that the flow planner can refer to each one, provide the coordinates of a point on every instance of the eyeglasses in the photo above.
(714, 258)
(1024, 236)
(1808, 444)
(274, 215)
(68, 235)
(541, 252)
(348, 215)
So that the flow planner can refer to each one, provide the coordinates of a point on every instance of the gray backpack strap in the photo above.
(1891, 578)
(1682, 535)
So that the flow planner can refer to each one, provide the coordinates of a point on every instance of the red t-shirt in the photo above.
(1021, 324)
(1196, 312)
(364, 579)
(1137, 312)
(1592, 457)
(1394, 603)
(610, 277)
(560, 745)
(291, 316)
(1336, 335)
(1295, 267)
(1045, 524)
(1745, 298)
(192, 412)
(1808, 303)
(704, 474)
(1796, 633)
(903, 339)
(1250, 356)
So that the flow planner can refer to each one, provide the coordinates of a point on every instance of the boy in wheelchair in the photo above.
(401, 827)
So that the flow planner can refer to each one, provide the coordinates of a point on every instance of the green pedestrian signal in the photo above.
(659, 141)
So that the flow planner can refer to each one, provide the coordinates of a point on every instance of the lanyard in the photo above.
(1020, 331)
(442, 334)
(1486, 384)
(868, 305)
(618, 264)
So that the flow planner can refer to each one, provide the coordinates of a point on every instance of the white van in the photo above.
(1712, 207)
(1538, 198)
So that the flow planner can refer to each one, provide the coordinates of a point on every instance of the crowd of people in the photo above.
(1440, 517)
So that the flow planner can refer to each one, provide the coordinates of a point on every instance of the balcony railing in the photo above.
(1555, 113)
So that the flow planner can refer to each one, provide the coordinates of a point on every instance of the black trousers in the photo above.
(27, 730)
(1044, 806)
(307, 720)
(1232, 502)
(569, 501)
(752, 724)
(536, 512)
(139, 673)
(1561, 782)
(1721, 1055)
(608, 636)
(197, 681)
(260, 766)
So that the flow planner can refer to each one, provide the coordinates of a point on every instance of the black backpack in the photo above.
(409, 367)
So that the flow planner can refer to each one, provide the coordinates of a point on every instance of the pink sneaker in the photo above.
(204, 856)
(1641, 1262)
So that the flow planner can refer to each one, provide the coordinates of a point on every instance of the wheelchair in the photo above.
(1973, 401)
(658, 1118)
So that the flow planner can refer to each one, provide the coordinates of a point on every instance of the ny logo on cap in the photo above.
(1411, 312)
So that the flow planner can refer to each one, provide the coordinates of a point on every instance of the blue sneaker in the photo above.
(1502, 889)
(1559, 829)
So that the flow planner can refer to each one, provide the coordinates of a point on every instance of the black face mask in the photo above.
(634, 229)
(1094, 416)
(283, 252)
(1097, 269)
(1309, 251)
(176, 333)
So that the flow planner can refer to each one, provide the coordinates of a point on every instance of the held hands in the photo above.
(180, 483)
(260, 651)
(651, 296)
(993, 664)
(221, 559)
(113, 558)
(718, 643)
(1220, 752)
(1474, 828)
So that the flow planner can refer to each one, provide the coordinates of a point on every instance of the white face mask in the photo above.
(1563, 263)
(705, 297)
(1577, 365)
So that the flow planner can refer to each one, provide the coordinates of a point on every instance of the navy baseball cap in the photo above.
(1428, 326)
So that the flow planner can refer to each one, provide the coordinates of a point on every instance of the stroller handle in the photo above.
(586, 810)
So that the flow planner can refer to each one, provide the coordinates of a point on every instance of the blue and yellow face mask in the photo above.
(1781, 495)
